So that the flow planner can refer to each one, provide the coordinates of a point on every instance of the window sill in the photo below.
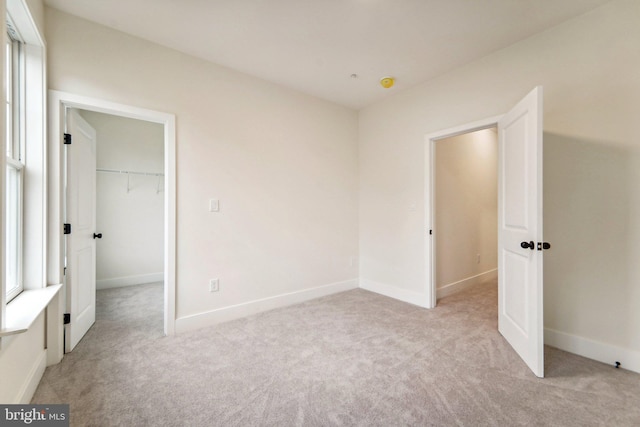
(25, 309)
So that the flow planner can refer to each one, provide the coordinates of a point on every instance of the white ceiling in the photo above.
(314, 46)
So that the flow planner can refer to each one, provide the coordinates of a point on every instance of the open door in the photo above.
(520, 316)
(81, 216)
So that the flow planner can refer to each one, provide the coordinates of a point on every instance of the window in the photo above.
(15, 163)
(23, 243)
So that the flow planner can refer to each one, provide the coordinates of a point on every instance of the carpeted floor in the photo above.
(354, 358)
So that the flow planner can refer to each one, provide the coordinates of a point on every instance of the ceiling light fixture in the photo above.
(387, 82)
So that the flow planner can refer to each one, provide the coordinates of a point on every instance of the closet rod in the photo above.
(130, 172)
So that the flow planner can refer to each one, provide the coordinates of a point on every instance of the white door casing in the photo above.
(58, 103)
(81, 215)
(430, 200)
(520, 269)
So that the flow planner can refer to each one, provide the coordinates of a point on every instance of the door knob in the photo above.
(97, 236)
(527, 245)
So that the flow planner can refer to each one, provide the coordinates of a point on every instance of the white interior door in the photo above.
(81, 214)
(520, 316)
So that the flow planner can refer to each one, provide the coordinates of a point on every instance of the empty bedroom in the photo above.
(274, 213)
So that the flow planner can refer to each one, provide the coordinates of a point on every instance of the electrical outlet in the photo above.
(214, 205)
(214, 285)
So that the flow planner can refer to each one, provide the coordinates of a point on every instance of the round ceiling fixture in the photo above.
(387, 82)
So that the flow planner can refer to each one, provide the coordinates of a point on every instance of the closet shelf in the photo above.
(129, 172)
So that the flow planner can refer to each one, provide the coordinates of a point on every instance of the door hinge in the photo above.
(67, 229)
(430, 232)
(67, 139)
(67, 318)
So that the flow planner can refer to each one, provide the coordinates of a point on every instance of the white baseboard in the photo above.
(238, 311)
(463, 284)
(28, 389)
(415, 298)
(602, 352)
(119, 282)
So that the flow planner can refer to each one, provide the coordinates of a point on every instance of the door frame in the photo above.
(430, 200)
(58, 102)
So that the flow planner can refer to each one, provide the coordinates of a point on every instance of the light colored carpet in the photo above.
(354, 358)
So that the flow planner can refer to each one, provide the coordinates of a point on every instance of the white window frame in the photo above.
(15, 286)
(15, 143)
(33, 153)
(17, 316)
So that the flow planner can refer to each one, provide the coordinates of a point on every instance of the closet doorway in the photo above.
(519, 224)
(129, 221)
(466, 210)
(129, 200)
(64, 164)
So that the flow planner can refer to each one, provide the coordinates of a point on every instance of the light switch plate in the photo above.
(214, 205)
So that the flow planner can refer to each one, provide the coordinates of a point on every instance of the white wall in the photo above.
(466, 210)
(131, 249)
(282, 164)
(22, 362)
(589, 69)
